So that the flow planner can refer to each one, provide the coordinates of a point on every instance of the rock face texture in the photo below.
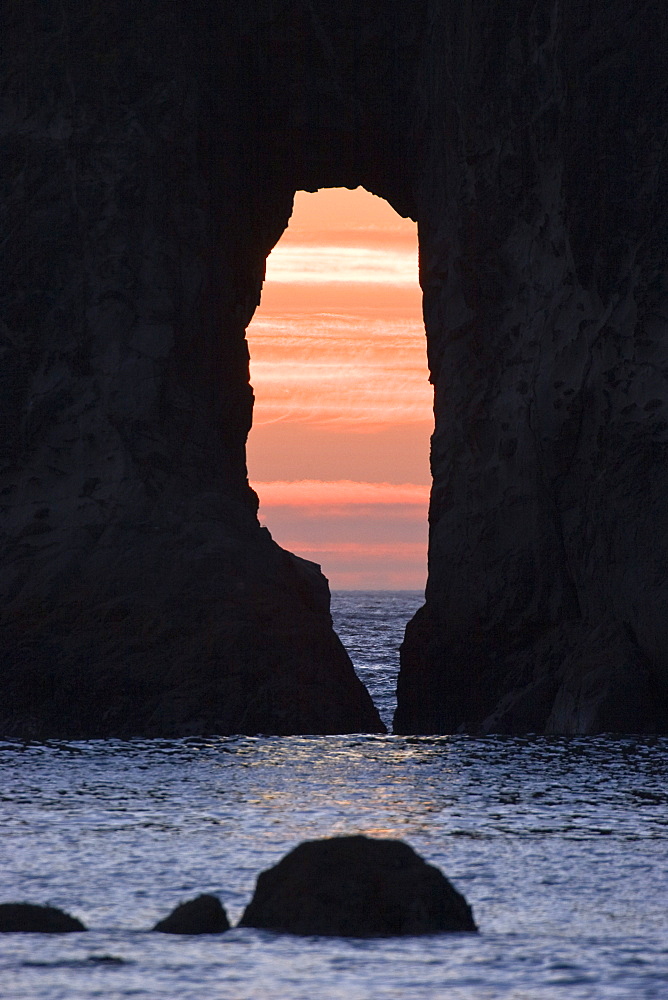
(356, 887)
(149, 161)
(139, 594)
(543, 211)
(33, 918)
(203, 915)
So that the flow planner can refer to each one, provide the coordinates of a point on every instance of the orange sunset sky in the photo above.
(339, 450)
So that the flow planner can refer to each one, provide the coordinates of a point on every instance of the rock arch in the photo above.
(150, 165)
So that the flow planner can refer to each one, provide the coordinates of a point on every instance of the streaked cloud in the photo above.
(350, 264)
(362, 534)
(327, 368)
(397, 551)
(310, 492)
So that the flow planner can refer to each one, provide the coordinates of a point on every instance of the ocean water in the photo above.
(560, 846)
(370, 624)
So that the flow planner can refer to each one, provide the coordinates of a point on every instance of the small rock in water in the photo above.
(203, 915)
(356, 887)
(32, 918)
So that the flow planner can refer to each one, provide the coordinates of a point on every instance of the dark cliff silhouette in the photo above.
(150, 156)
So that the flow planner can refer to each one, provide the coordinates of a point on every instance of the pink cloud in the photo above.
(313, 492)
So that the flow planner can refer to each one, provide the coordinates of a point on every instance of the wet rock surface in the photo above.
(33, 918)
(203, 915)
(356, 887)
(149, 164)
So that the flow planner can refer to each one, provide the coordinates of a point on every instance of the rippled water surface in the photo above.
(559, 845)
(371, 625)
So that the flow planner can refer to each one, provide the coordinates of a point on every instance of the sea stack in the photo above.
(150, 159)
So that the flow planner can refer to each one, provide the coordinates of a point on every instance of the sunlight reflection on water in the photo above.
(545, 837)
(558, 844)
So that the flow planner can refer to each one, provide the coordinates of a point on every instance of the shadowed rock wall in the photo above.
(150, 155)
(543, 243)
(144, 182)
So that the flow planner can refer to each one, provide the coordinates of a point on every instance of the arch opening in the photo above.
(339, 449)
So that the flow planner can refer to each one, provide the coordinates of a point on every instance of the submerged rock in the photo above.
(33, 918)
(356, 887)
(203, 915)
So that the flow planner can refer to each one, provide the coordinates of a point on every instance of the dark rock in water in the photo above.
(30, 917)
(149, 167)
(203, 915)
(356, 887)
